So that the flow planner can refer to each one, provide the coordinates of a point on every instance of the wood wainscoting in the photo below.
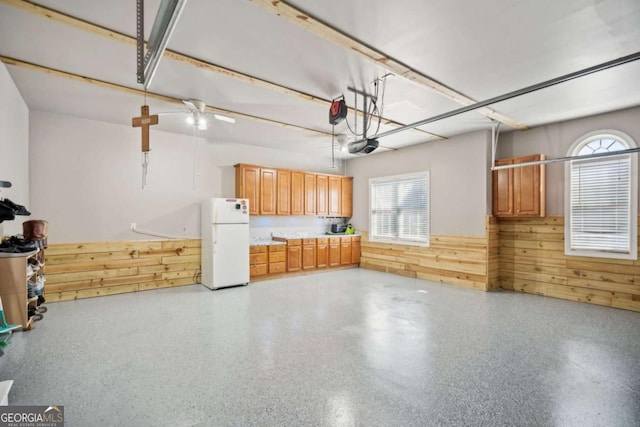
(532, 260)
(84, 270)
(455, 260)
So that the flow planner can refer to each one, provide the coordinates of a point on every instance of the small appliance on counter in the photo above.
(338, 228)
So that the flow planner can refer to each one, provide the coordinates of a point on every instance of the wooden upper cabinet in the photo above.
(529, 192)
(335, 196)
(273, 191)
(297, 193)
(268, 191)
(503, 189)
(346, 196)
(520, 191)
(309, 194)
(322, 195)
(283, 205)
(248, 186)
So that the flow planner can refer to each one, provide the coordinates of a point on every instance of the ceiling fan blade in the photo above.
(224, 118)
(190, 104)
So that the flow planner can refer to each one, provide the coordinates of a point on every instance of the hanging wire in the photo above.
(333, 147)
(372, 110)
(195, 141)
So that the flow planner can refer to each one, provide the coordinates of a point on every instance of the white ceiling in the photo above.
(480, 49)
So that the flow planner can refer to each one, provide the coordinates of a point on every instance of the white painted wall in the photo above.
(554, 140)
(14, 149)
(86, 178)
(458, 180)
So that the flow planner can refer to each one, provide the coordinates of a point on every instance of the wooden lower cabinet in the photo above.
(345, 251)
(355, 250)
(257, 260)
(304, 255)
(308, 254)
(322, 253)
(277, 259)
(294, 255)
(334, 251)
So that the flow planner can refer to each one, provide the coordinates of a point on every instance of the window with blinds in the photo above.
(601, 219)
(400, 209)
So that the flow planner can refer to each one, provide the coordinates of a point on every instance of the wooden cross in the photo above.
(144, 121)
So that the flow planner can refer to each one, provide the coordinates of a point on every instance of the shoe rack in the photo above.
(18, 273)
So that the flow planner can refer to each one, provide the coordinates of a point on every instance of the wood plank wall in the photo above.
(493, 252)
(456, 260)
(532, 260)
(83, 270)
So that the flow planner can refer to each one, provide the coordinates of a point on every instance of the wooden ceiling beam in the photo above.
(320, 29)
(139, 92)
(33, 8)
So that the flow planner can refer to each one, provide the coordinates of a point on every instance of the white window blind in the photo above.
(400, 208)
(600, 205)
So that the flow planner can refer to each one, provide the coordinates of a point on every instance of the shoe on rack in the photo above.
(41, 300)
(6, 213)
(17, 209)
(31, 289)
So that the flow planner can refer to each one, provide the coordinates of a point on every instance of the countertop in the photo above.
(310, 235)
(282, 237)
(265, 242)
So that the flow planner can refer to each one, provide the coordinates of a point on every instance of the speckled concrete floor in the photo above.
(341, 348)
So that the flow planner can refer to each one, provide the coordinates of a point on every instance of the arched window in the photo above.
(601, 198)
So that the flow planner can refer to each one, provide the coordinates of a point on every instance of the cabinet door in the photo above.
(335, 196)
(283, 206)
(345, 253)
(346, 196)
(308, 257)
(322, 195)
(334, 252)
(322, 255)
(268, 191)
(503, 189)
(297, 193)
(309, 194)
(248, 186)
(355, 251)
(528, 193)
(294, 258)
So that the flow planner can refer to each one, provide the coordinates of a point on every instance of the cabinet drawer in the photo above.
(277, 267)
(277, 257)
(257, 249)
(294, 242)
(258, 259)
(307, 242)
(334, 240)
(323, 241)
(355, 239)
(347, 239)
(257, 270)
(278, 248)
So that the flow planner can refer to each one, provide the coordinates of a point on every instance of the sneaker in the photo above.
(17, 209)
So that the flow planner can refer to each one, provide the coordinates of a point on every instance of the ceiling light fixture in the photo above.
(190, 120)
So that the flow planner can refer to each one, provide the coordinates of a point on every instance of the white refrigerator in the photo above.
(225, 242)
